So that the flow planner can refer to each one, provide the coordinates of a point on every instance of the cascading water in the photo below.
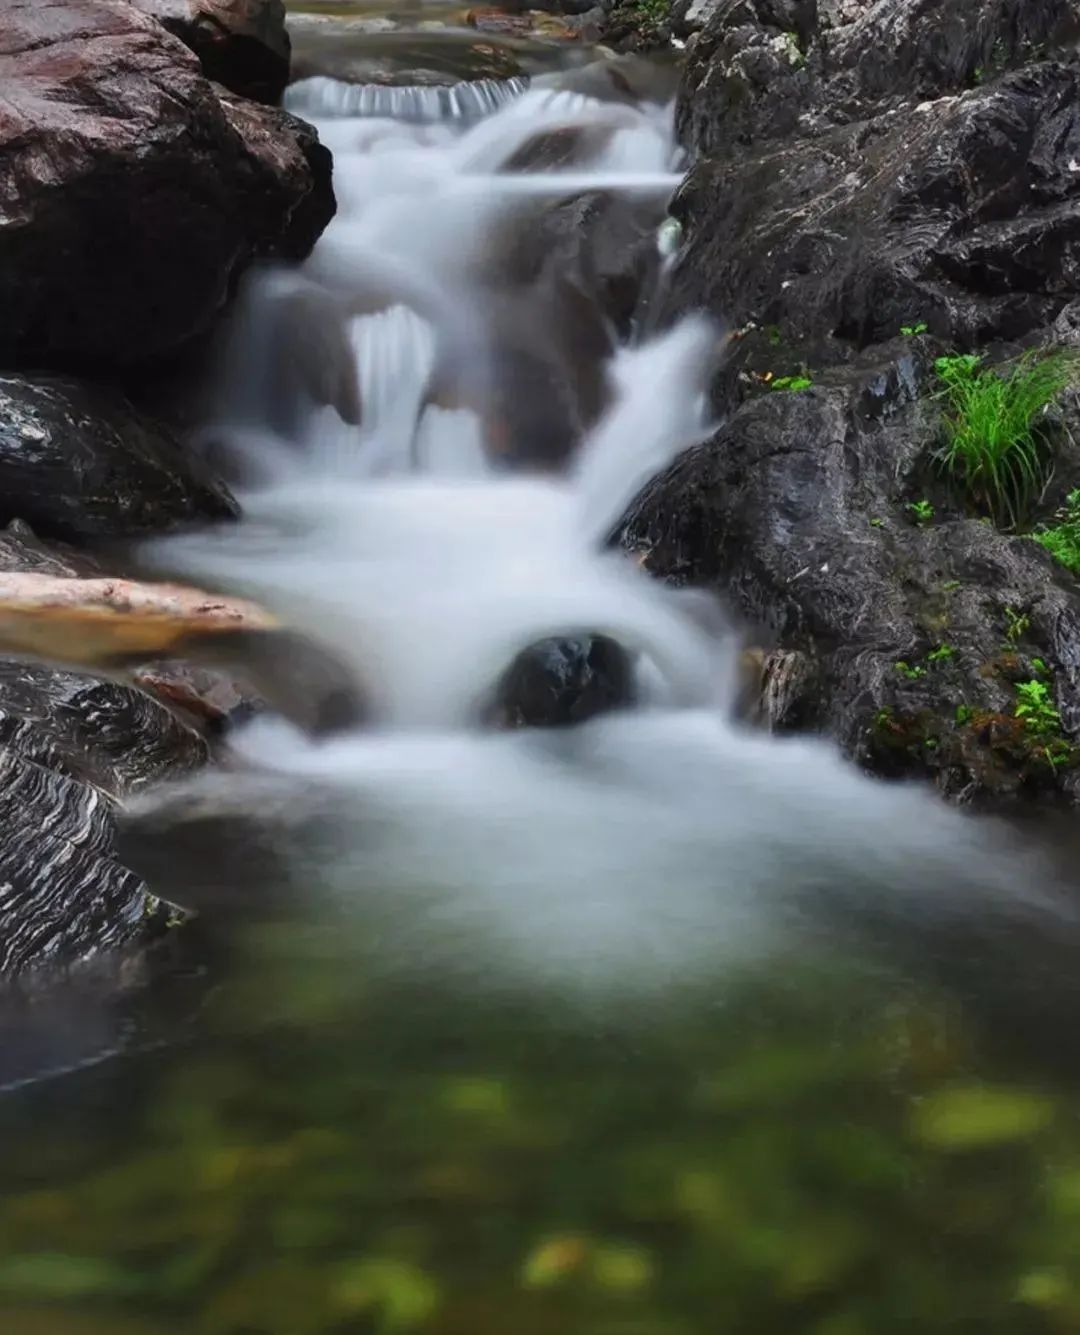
(652, 1025)
(386, 520)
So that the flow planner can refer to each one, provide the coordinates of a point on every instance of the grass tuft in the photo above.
(994, 446)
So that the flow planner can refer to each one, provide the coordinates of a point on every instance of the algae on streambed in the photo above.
(804, 1151)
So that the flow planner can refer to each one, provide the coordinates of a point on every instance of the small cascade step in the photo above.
(322, 97)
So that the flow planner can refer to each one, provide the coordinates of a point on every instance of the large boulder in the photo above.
(886, 165)
(78, 463)
(133, 191)
(242, 44)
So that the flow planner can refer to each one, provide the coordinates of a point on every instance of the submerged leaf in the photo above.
(971, 1117)
(56, 1275)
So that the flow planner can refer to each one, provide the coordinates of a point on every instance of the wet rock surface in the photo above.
(242, 44)
(72, 748)
(78, 462)
(132, 190)
(562, 681)
(900, 164)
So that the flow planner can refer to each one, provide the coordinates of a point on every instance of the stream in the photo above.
(657, 1025)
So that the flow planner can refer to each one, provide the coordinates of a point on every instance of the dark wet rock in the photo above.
(634, 27)
(963, 214)
(133, 191)
(862, 167)
(562, 681)
(625, 78)
(72, 748)
(796, 511)
(762, 70)
(78, 462)
(242, 44)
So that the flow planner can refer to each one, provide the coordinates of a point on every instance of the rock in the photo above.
(964, 214)
(242, 44)
(349, 49)
(132, 191)
(78, 462)
(71, 748)
(829, 206)
(690, 16)
(633, 26)
(763, 70)
(796, 511)
(559, 682)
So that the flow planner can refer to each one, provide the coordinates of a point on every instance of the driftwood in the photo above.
(104, 623)
(116, 626)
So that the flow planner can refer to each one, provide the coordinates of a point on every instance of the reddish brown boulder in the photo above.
(132, 190)
(242, 44)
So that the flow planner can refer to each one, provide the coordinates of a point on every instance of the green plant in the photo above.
(1017, 625)
(942, 654)
(921, 511)
(1036, 707)
(994, 447)
(1062, 540)
(773, 334)
(910, 672)
(914, 330)
(793, 383)
(877, 523)
(656, 11)
(788, 44)
(1038, 666)
(964, 714)
(950, 585)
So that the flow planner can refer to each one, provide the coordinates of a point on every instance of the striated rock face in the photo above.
(900, 163)
(242, 44)
(132, 191)
(78, 462)
(70, 749)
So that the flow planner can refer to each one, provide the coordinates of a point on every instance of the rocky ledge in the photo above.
(878, 186)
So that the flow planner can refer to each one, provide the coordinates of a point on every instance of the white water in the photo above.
(632, 851)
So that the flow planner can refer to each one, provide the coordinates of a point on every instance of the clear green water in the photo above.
(800, 1150)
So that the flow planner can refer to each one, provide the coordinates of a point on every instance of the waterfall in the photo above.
(379, 396)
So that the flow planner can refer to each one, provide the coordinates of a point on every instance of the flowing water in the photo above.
(652, 1026)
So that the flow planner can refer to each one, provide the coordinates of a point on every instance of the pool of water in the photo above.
(800, 1147)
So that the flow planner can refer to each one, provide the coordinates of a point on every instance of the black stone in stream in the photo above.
(562, 681)
(78, 462)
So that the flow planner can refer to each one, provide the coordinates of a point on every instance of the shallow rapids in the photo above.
(427, 505)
